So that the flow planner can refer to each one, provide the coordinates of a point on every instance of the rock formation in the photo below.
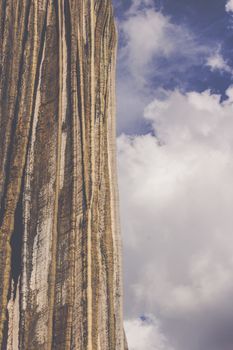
(60, 248)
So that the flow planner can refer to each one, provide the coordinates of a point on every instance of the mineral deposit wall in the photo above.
(60, 247)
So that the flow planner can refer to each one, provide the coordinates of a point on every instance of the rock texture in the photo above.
(60, 248)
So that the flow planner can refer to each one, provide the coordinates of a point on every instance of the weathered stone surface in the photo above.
(60, 247)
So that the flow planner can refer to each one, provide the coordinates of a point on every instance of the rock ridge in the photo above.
(60, 244)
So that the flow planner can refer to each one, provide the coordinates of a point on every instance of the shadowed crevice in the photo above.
(17, 235)
(5, 333)
(16, 243)
(14, 124)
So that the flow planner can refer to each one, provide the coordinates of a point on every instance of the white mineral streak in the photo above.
(29, 169)
(41, 256)
(41, 264)
(42, 242)
(13, 324)
(40, 267)
(41, 331)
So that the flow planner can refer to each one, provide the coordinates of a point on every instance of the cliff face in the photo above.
(60, 265)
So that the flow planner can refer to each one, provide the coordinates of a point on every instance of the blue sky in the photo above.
(175, 159)
(207, 30)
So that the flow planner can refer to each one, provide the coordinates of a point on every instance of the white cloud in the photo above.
(229, 6)
(217, 62)
(137, 4)
(147, 43)
(145, 334)
(176, 210)
(131, 102)
(146, 33)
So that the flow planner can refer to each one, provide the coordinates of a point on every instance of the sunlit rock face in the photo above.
(60, 248)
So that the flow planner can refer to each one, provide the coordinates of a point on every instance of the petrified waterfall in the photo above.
(60, 248)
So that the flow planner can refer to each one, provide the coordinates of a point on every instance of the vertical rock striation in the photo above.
(60, 248)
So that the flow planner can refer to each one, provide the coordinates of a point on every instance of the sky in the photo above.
(175, 161)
